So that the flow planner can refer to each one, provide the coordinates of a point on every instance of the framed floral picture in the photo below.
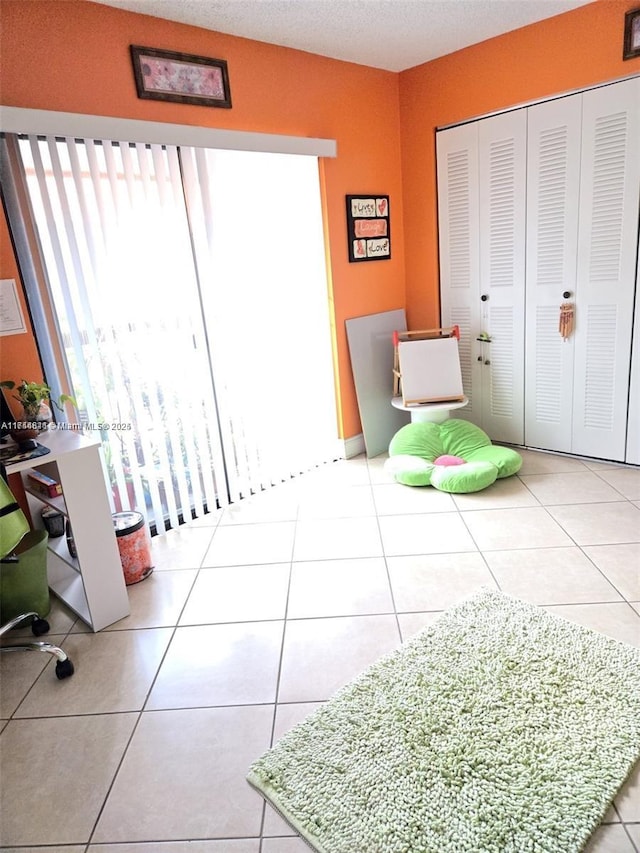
(164, 75)
(631, 34)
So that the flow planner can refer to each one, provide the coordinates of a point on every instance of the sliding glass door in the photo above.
(257, 230)
(189, 295)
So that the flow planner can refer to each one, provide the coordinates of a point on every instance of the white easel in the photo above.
(427, 376)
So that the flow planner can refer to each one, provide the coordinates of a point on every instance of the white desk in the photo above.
(92, 584)
(435, 413)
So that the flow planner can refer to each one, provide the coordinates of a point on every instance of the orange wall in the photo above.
(571, 51)
(384, 123)
(73, 55)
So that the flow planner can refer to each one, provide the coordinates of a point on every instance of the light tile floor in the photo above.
(256, 614)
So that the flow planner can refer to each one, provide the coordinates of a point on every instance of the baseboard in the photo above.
(354, 446)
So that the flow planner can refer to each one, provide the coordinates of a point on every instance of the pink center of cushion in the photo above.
(448, 460)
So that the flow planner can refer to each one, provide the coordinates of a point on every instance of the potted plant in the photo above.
(36, 414)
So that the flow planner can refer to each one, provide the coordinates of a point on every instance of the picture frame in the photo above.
(368, 227)
(631, 34)
(165, 75)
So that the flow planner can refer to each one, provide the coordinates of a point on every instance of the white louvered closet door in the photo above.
(457, 158)
(607, 250)
(633, 431)
(553, 183)
(502, 151)
(481, 209)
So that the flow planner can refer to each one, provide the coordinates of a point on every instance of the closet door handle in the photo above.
(484, 297)
(566, 294)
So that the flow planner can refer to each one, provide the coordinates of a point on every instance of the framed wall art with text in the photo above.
(368, 227)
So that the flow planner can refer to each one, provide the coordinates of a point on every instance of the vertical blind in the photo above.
(190, 294)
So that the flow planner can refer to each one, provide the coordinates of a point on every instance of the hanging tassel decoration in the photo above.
(567, 313)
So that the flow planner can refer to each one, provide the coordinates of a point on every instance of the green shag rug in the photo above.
(499, 729)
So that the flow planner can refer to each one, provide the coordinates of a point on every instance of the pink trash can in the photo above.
(134, 546)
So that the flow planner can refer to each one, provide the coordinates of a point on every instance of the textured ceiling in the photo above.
(391, 34)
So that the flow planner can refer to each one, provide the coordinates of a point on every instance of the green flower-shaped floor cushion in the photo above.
(454, 456)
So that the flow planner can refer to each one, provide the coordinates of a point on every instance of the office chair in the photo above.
(21, 551)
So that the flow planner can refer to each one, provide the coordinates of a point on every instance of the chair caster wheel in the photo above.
(64, 668)
(39, 627)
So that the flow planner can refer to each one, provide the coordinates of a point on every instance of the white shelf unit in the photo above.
(92, 584)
